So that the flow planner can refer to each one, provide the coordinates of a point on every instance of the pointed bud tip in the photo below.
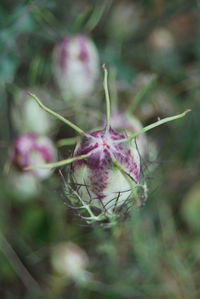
(186, 111)
(32, 95)
(104, 67)
(29, 93)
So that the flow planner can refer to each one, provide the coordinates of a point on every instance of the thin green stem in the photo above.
(57, 164)
(142, 94)
(95, 16)
(58, 116)
(85, 206)
(67, 141)
(25, 276)
(158, 123)
(107, 97)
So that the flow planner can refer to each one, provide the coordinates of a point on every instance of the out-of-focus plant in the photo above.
(191, 208)
(70, 261)
(27, 117)
(32, 148)
(76, 66)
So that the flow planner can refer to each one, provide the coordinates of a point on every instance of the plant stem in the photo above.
(58, 116)
(56, 164)
(95, 16)
(158, 123)
(67, 141)
(107, 97)
(25, 276)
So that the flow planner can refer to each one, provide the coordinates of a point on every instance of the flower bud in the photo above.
(103, 179)
(69, 260)
(33, 149)
(27, 117)
(24, 184)
(76, 66)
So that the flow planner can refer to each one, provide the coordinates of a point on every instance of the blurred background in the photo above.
(55, 49)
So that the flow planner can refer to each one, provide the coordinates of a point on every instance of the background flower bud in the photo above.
(24, 184)
(76, 66)
(28, 117)
(69, 260)
(162, 40)
(33, 149)
(126, 122)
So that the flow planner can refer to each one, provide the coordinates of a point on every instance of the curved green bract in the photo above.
(57, 164)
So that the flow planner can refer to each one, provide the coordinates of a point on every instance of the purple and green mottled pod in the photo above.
(76, 66)
(102, 177)
(33, 149)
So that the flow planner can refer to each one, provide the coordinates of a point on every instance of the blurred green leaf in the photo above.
(191, 208)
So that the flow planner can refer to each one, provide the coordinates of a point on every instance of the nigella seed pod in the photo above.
(102, 179)
(31, 148)
(76, 66)
(105, 174)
